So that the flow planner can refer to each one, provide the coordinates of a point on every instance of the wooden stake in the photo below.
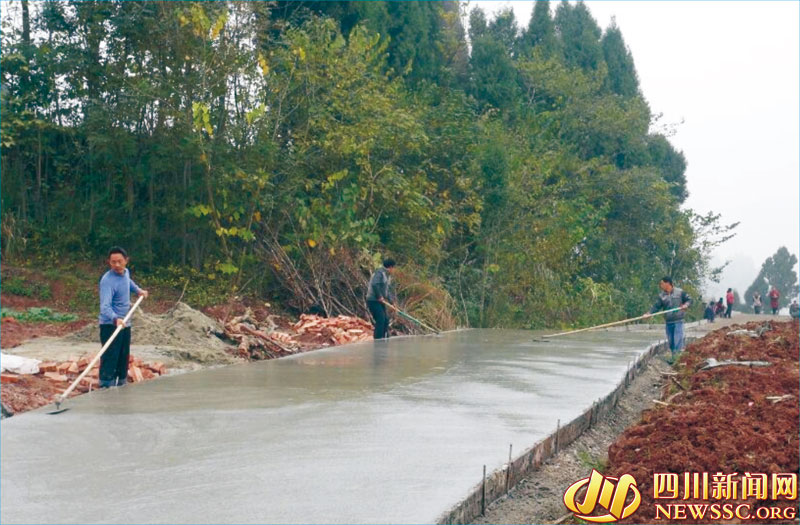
(483, 493)
(508, 470)
(558, 428)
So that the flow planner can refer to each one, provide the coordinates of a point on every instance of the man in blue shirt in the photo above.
(116, 286)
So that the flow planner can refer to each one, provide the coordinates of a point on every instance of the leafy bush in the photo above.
(38, 315)
(18, 286)
(83, 300)
(204, 288)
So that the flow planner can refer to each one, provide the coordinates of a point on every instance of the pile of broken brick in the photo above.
(262, 340)
(337, 330)
(65, 372)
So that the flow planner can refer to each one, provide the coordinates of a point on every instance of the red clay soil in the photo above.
(14, 333)
(722, 422)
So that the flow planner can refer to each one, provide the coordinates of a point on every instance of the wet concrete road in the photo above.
(384, 432)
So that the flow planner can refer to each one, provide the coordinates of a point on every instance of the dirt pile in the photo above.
(182, 326)
(23, 392)
(729, 419)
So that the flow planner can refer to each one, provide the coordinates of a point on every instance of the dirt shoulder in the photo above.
(722, 418)
(729, 419)
(537, 499)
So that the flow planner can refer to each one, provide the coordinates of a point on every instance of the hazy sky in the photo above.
(729, 71)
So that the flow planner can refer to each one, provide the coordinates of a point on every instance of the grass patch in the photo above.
(21, 287)
(83, 300)
(38, 315)
(591, 461)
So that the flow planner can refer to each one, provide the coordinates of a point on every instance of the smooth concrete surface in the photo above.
(386, 432)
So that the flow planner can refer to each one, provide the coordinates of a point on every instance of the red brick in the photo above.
(48, 366)
(53, 376)
(90, 382)
(8, 378)
(73, 368)
(63, 367)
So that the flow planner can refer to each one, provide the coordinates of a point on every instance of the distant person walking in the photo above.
(711, 311)
(720, 308)
(794, 309)
(116, 286)
(774, 295)
(729, 298)
(379, 292)
(672, 297)
(757, 302)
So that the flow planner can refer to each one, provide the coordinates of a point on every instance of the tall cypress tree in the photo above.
(477, 24)
(494, 76)
(541, 32)
(580, 36)
(671, 164)
(504, 30)
(621, 78)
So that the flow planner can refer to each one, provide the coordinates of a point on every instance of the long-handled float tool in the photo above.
(412, 319)
(61, 397)
(544, 339)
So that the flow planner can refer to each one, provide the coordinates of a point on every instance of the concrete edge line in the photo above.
(501, 481)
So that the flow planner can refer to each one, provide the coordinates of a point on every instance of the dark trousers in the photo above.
(381, 320)
(114, 362)
(728, 311)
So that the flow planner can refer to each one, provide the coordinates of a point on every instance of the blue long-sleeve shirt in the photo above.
(115, 296)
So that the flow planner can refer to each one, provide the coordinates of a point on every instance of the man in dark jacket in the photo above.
(710, 312)
(669, 298)
(379, 292)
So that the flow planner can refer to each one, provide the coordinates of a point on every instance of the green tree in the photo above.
(503, 29)
(670, 163)
(778, 271)
(580, 36)
(541, 33)
(621, 78)
(287, 146)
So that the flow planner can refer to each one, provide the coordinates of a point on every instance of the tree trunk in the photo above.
(151, 219)
(187, 170)
(26, 29)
